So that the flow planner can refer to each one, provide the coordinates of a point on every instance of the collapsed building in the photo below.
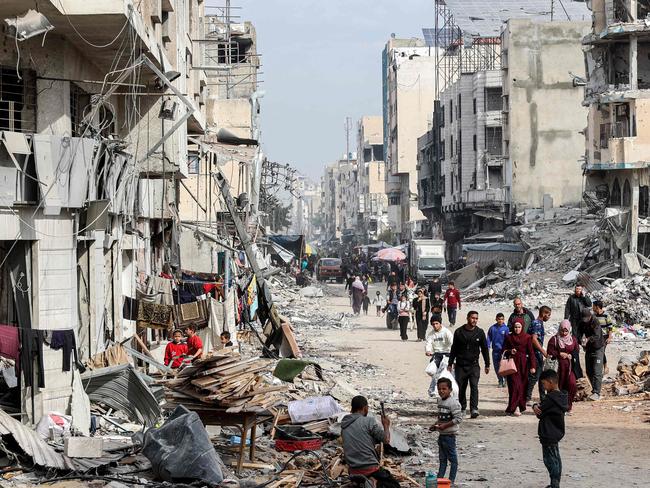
(121, 149)
(618, 134)
(504, 145)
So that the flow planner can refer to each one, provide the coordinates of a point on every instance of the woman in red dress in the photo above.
(560, 347)
(519, 346)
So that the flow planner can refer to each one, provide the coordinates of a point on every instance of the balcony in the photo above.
(625, 153)
(485, 197)
(85, 23)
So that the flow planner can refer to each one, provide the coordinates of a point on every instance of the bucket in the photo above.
(444, 483)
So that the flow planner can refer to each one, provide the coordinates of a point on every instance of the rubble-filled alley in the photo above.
(205, 282)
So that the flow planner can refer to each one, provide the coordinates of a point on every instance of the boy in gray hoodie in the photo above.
(449, 416)
(360, 435)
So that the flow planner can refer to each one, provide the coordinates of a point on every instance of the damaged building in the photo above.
(504, 145)
(94, 126)
(618, 134)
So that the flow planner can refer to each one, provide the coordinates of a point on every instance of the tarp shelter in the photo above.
(492, 252)
(293, 243)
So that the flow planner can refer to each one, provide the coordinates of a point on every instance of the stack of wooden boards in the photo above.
(227, 381)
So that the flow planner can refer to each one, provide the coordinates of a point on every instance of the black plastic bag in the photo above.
(180, 450)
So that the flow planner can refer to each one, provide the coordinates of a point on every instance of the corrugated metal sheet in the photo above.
(30, 442)
(121, 388)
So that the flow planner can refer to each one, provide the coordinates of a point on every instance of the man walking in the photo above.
(452, 302)
(495, 337)
(469, 341)
(536, 330)
(594, 344)
(520, 312)
(574, 306)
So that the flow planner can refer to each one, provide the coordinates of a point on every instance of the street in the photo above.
(495, 450)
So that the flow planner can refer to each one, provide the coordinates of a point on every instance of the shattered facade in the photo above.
(94, 146)
(618, 134)
(305, 208)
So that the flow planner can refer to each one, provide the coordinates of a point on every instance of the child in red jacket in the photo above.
(175, 350)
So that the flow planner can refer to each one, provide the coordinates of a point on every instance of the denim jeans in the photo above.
(496, 360)
(553, 463)
(447, 453)
(451, 314)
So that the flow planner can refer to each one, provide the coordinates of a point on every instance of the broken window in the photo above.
(377, 152)
(451, 111)
(623, 126)
(17, 100)
(615, 194)
(644, 201)
(605, 131)
(193, 164)
(79, 100)
(458, 108)
(493, 98)
(493, 144)
(627, 193)
(367, 155)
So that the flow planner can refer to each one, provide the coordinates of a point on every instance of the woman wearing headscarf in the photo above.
(519, 347)
(562, 346)
(421, 312)
(358, 291)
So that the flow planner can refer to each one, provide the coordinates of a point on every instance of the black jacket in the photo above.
(574, 306)
(467, 346)
(417, 308)
(551, 421)
(594, 334)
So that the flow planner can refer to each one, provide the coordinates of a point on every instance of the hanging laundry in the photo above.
(251, 298)
(112, 356)
(130, 308)
(31, 347)
(9, 344)
(230, 311)
(155, 316)
(162, 287)
(217, 318)
(194, 313)
(64, 339)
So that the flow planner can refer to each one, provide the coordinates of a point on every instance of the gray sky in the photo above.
(321, 62)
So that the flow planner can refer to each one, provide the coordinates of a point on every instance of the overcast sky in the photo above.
(321, 62)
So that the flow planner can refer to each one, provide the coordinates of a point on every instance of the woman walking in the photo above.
(403, 316)
(357, 295)
(421, 313)
(561, 347)
(519, 347)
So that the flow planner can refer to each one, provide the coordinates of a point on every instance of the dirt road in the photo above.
(606, 441)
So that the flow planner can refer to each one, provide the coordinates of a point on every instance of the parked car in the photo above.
(329, 269)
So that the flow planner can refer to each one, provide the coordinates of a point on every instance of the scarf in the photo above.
(567, 340)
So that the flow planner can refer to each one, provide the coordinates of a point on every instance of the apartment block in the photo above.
(408, 83)
(95, 125)
(373, 202)
(617, 95)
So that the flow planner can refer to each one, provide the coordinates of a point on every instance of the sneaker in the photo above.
(475, 414)
(594, 397)
(463, 413)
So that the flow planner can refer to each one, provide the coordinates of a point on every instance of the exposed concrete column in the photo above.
(633, 10)
(634, 214)
(634, 69)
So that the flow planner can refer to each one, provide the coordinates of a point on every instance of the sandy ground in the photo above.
(605, 443)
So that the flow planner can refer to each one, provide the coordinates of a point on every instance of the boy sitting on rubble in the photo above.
(225, 339)
(360, 435)
(175, 350)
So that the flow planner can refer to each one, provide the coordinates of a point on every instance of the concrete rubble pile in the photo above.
(633, 377)
(555, 247)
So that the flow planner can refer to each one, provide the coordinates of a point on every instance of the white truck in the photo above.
(426, 259)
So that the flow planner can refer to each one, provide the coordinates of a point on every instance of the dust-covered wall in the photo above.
(545, 115)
